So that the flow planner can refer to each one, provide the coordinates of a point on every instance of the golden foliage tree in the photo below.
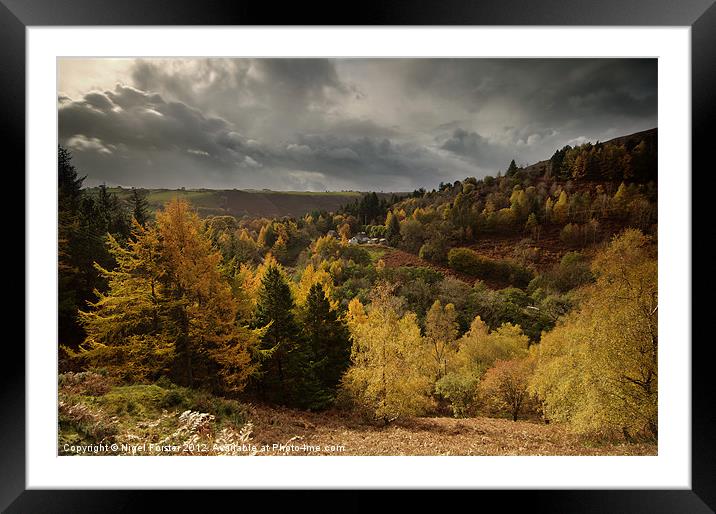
(441, 329)
(598, 369)
(388, 377)
(479, 348)
(505, 385)
(560, 211)
(169, 308)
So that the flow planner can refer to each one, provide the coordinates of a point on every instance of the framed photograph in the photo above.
(436, 248)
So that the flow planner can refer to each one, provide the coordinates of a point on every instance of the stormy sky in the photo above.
(338, 124)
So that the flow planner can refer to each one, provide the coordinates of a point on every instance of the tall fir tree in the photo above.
(288, 371)
(327, 336)
(140, 206)
(81, 242)
(69, 274)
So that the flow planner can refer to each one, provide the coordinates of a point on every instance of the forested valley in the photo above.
(514, 314)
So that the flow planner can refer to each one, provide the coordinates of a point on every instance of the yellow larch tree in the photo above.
(167, 298)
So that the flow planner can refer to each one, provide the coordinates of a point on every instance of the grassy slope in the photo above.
(93, 410)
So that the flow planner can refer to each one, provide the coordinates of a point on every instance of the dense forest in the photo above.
(528, 295)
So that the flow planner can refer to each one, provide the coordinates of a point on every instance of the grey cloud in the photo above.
(118, 118)
(98, 101)
(478, 149)
(390, 124)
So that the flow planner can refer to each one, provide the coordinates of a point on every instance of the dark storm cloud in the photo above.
(473, 145)
(137, 120)
(345, 124)
(555, 86)
(140, 129)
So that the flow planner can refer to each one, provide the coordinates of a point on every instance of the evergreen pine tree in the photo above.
(288, 374)
(140, 206)
(327, 336)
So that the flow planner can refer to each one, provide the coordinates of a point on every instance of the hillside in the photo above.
(238, 203)
(629, 141)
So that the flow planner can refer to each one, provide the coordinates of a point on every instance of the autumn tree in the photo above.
(620, 200)
(169, 310)
(344, 230)
(549, 210)
(505, 386)
(129, 330)
(560, 211)
(412, 234)
(392, 229)
(479, 348)
(388, 377)
(441, 329)
(245, 248)
(598, 369)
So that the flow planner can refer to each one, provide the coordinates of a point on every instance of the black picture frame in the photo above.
(700, 15)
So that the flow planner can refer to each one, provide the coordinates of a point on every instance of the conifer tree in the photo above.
(288, 374)
(327, 336)
(533, 226)
(68, 230)
(129, 330)
(81, 242)
(140, 207)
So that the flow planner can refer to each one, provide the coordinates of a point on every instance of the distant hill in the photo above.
(629, 142)
(599, 158)
(238, 203)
